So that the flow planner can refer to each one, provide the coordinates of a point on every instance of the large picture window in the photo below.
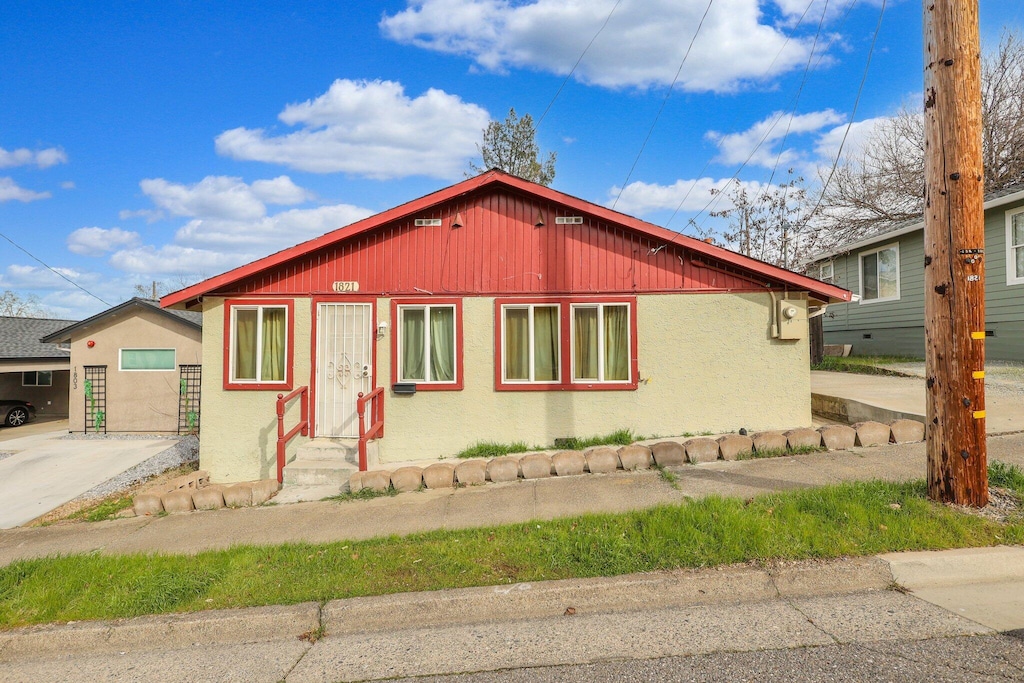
(600, 342)
(880, 274)
(1015, 247)
(146, 359)
(565, 344)
(530, 336)
(427, 344)
(258, 350)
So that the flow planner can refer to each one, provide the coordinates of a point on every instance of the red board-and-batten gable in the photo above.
(506, 242)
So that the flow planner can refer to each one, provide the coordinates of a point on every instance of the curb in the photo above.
(735, 584)
(230, 626)
(939, 569)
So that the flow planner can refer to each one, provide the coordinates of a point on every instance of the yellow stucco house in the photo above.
(494, 309)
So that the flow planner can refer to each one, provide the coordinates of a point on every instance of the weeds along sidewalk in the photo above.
(491, 505)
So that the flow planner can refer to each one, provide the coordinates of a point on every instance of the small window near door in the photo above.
(600, 343)
(428, 344)
(37, 378)
(146, 359)
(259, 353)
(530, 343)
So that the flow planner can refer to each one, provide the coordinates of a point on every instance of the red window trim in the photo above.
(565, 337)
(460, 377)
(289, 364)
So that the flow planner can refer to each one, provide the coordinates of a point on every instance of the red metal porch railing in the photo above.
(302, 426)
(376, 400)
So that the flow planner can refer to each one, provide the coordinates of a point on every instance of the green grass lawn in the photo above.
(864, 365)
(834, 521)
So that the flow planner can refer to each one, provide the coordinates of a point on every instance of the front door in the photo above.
(344, 345)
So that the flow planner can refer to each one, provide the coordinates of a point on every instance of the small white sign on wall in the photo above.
(345, 286)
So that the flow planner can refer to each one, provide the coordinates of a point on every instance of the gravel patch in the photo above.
(120, 437)
(1002, 377)
(183, 452)
(6, 454)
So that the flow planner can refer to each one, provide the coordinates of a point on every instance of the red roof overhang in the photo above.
(822, 291)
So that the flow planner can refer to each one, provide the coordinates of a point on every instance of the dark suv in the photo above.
(16, 413)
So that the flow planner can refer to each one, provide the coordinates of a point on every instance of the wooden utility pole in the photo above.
(954, 247)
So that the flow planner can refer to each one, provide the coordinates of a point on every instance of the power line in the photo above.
(53, 270)
(663, 103)
(573, 70)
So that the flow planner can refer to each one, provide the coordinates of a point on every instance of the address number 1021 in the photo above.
(345, 286)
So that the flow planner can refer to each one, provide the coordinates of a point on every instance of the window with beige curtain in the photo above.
(426, 345)
(531, 344)
(259, 341)
(600, 342)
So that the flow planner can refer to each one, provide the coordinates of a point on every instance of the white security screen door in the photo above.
(344, 345)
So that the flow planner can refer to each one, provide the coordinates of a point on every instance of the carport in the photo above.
(31, 370)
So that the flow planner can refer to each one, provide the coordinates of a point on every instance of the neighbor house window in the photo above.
(566, 344)
(37, 378)
(147, 359)
(530, 343)
(827, 272)
(427, 344)
(600, 342)
(259, 338)
(1015, 247)
(880, 274)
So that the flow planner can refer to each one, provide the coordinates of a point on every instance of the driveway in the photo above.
(42, 471)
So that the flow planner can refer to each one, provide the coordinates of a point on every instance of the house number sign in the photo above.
(345, 286)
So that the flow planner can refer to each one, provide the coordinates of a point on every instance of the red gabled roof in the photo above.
(494, 177)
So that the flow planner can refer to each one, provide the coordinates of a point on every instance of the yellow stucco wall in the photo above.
(707, 363)
(137, 401)
(238, 441)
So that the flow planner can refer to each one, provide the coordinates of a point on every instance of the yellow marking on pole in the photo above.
(978, 414)
(978, 335)
(978, 374)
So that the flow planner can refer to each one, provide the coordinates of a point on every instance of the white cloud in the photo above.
(9, 190)
(67, 185)
(172, 259)
(18, 276)
(640, 198)
(222, 196)
(99, 241)
(642, 45)
(151, 215)
(43, 158)
(827, 145)
(368, 128)
(756, 144)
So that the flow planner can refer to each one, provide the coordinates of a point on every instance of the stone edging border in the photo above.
(606, 459)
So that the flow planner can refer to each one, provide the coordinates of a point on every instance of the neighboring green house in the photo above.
(886, 271)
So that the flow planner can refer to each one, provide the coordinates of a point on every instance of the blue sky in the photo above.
(174, 140)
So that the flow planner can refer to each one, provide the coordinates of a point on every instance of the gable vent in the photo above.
(428, 222)
(568, 220)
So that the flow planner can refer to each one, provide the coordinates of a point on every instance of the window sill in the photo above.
(864, 301)
(624, 386)
(258, 386)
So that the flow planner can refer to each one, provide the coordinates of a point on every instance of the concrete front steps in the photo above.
(321, 462)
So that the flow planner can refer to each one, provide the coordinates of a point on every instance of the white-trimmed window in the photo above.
(600, 342)
(531, 343)
(1015, 247)
(826, 272)
(427, 344)
(259, 344)
(37, 378)
(880, 274)
(146, 359)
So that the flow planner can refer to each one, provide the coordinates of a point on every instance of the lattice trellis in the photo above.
(189, 384)
(95, 399)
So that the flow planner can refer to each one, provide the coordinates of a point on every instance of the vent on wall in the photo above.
(568, 220)
(428, 222)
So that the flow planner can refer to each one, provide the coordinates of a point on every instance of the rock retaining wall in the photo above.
(604, 459)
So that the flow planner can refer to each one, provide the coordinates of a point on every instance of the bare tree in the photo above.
(883, 184)
(763, 220)
(15, 305)
(511, 145)
(160, 288)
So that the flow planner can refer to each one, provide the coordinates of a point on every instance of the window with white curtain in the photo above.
(880, 274)
(600, 343)
(259, 339)
(1015, 247)
(427, 341)
(531, 345)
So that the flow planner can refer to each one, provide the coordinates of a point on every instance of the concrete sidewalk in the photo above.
(807, 605)
(521, 501)
(883, 399)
